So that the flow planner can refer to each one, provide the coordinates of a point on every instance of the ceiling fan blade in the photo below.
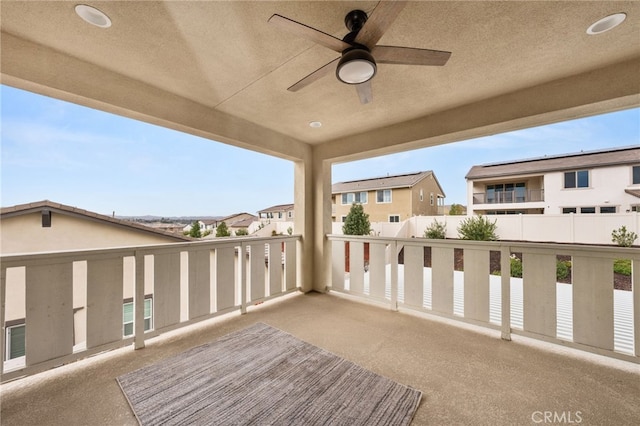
(381, 18)
(409, 56)
(365, 92)
(316, 75)
(309, 33)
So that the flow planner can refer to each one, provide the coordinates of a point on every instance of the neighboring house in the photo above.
(279, 213)
(237, 218)
(603, 181)
(203, 226)
(390, 198)
(47, 226)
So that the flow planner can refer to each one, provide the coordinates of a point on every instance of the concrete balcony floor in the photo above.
(467, 376)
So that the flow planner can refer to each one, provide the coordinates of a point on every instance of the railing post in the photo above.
(505, 281)
(243, 277)
(3, 288)
(635, 274)
(138, 340)
(394, 275)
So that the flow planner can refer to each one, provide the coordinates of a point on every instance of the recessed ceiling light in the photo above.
(93, 16)
(315, 124)
(607, 23)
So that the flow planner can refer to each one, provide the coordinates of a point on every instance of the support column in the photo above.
(312, 200)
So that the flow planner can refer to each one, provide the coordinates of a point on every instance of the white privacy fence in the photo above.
(588, 314)
(563, 228)
(70, 304)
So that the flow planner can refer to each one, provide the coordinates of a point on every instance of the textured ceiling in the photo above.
(221, 71)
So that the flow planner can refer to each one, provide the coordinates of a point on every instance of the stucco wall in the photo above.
(25, 234)
(606, 188)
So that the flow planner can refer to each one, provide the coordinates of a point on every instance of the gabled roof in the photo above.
(553, 163)
(277, 208)
(407, 180)
(38, 206)
(229, 220)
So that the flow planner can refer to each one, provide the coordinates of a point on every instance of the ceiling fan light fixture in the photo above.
(356, 66)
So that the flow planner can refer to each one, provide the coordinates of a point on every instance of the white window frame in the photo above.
(634, 168)
(575, 174)
(384, 198)
(348, 198)
(7, 341)
(397, 216)
(431, 198)
(132, 322)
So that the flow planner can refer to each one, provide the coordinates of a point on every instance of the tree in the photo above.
(456, 210)
(195, 231)
(357, 221)
(222, 230)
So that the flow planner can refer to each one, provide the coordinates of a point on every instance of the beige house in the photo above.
(46, 226)
(278, 213)
(601, 181)
(390, 198)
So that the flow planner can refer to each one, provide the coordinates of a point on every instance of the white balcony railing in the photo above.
(507, 197)
(587, 314)
(188, 283)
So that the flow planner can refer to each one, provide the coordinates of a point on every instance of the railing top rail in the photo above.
(19, 259)
(514, 246)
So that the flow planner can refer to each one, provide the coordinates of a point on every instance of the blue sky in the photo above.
(101, 162)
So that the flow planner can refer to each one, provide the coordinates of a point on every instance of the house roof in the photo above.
(406, 180)
(554, 163)
(278, 208)
(38, 206)
(220, 70)
(634, 192)
(242, 223)
(232, 219)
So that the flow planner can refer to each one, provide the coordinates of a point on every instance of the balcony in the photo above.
(413, 327)
(507, 197)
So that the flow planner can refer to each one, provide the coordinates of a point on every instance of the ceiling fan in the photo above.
(358, 49)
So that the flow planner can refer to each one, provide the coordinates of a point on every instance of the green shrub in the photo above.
(478, 228)
(516, 267)
(622, 237)
(290, 230)
(622, 266)
(563, 268)
(436, 230)
(241, 232)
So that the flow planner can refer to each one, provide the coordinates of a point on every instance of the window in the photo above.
(635, 208)
(421, 195)
(127, 316)
(431, 198)
(279, 215)
(587, 209)
(579, 179)
(344, 218)
(635, 180)
(394, 218)
(15, 341)
(383, 196)
(354, 197)
(289, 214)
(608, 209)
(569, 210)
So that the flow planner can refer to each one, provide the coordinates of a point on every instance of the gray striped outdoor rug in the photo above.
(264, 376)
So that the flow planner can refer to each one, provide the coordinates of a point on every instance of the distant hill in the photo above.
(167, 219)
